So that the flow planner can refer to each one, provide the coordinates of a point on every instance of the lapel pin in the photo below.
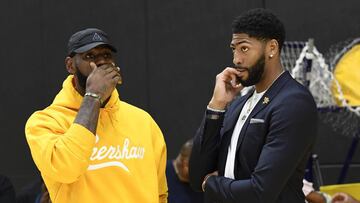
(266, 100)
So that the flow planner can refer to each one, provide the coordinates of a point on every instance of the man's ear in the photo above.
(69, 63)
(273, 48)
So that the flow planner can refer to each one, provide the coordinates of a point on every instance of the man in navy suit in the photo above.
(255, 148)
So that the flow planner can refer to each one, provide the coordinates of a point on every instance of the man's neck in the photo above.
(268, 78)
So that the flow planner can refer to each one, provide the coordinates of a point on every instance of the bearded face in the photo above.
(254, 73)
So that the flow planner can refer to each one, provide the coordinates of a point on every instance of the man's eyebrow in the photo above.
(239, 42)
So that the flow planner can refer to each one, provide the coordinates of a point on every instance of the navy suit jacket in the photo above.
(272, 150)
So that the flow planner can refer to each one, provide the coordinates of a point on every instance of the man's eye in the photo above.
(89, 56)
(107, 56)
(244, 49)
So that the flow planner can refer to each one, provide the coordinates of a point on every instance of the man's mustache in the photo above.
(240, 68)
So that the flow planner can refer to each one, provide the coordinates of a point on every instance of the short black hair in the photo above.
(261, 24)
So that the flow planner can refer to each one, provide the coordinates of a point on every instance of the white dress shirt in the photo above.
(245, 112)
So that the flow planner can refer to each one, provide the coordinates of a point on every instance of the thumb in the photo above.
(93, 66)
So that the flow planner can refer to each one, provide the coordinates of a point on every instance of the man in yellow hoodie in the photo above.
(88, 145)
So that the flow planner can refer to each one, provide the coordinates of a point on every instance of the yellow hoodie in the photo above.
(124, 162)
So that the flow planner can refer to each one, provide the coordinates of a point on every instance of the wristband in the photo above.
(215, 110)
(93, 95)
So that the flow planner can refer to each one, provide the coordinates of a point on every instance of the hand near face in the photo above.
(103, 79)
(343, 198)
(226, 88)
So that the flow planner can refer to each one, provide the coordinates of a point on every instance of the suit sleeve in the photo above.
(292, 131)
(204, 155)
(62, 155)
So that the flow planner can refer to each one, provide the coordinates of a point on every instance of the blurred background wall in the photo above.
(169, 53)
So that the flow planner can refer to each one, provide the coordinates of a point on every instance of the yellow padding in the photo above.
(353, 189)
(347, 73)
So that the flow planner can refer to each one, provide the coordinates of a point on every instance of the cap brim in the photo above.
(93, 45)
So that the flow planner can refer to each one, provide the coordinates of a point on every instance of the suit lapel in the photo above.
(263, 102)
(228, 128)
(235, 112)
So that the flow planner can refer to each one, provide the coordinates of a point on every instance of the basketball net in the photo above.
(311, 70)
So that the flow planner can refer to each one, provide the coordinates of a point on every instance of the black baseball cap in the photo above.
(84, 40)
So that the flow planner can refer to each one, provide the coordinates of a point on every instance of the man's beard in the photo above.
(81, 79)
(255, 73)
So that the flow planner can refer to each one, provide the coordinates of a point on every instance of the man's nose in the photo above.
(237, 59)
(101, 60)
